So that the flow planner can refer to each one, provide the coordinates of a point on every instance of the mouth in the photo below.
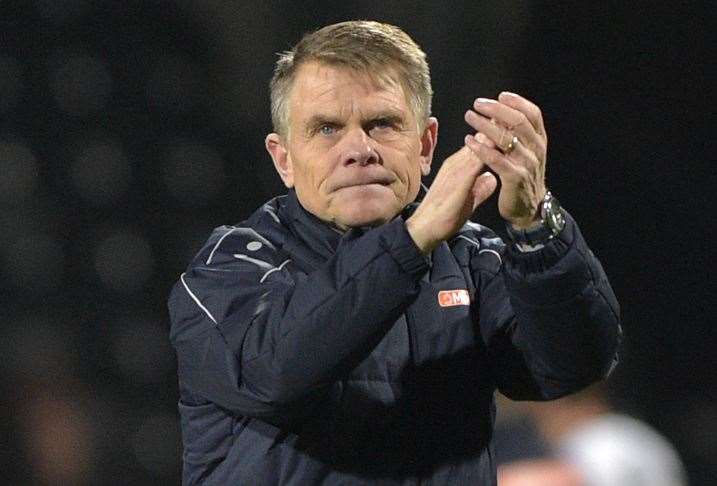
(365, 180)
(363, 184)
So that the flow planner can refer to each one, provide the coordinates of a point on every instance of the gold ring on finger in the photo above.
(511, 145)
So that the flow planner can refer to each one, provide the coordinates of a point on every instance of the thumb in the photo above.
(483, 187)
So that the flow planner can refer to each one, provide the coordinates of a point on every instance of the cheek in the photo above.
(414, 179)
(311, 169)
(408, 167)
(311, 182)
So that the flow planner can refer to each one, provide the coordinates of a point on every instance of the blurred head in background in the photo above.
(590, 444)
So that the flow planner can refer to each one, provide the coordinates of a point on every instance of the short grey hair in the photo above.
(375, 48)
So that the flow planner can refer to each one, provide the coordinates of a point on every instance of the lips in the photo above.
(363, 179)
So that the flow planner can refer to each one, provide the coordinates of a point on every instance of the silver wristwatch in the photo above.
(552, 222)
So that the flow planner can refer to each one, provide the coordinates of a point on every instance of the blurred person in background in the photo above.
(344, 334)
(585, 443)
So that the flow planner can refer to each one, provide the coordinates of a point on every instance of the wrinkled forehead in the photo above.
(317, 83)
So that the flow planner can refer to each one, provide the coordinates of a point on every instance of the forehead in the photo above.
(320, 87)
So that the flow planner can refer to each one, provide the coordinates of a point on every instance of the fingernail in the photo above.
(485, 100)
(508, 93)
(468, 139)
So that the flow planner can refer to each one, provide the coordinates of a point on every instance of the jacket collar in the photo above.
(317, 234)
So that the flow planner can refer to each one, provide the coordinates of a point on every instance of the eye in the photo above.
(327, 129)
(384, 128)
(382, 123)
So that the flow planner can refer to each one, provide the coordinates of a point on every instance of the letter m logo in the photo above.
(449, 298)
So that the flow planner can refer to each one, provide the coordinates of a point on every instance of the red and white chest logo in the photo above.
(449, 298)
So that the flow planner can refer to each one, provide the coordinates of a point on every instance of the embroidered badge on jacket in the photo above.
(449, 298)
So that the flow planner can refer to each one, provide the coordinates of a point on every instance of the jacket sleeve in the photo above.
(257, 339)
(550, 319)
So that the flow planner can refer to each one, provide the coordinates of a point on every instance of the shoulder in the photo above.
(229, 244)
(236, 266)
(258, 238)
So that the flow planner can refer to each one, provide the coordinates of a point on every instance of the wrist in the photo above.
(526, 223)
(544, 228)
(420, 235)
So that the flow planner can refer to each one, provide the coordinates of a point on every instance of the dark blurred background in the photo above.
(128, 130)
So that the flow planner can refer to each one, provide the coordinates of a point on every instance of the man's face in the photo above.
(354, 153)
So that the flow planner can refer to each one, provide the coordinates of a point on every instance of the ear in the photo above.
(282, 160)
(429, 140)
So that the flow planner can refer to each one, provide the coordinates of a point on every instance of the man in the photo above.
(343, 334)
(584, 441)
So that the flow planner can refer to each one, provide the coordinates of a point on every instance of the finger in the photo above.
(503, 115)
(499, 133)
(494, 159)
(518, 152)
(489, 131)
(466, 162)
(483, 187)
(526, 107)
(482, 138)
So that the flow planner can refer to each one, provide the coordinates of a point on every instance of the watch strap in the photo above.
(532, 236)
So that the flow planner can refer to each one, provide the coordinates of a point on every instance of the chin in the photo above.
(357, 216)
(365, 206)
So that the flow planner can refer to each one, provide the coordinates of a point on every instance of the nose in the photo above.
(357, 149)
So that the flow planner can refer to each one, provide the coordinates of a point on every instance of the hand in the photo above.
(520, 166)
(455, 193)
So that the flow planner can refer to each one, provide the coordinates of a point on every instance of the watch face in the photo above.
(552, 215)
(552, 222)
(557, 221)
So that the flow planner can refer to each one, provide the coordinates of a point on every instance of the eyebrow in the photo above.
(390, 116)
(321, 119)
(318, 120)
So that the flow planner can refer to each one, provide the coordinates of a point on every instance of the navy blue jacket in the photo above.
(306, 356)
